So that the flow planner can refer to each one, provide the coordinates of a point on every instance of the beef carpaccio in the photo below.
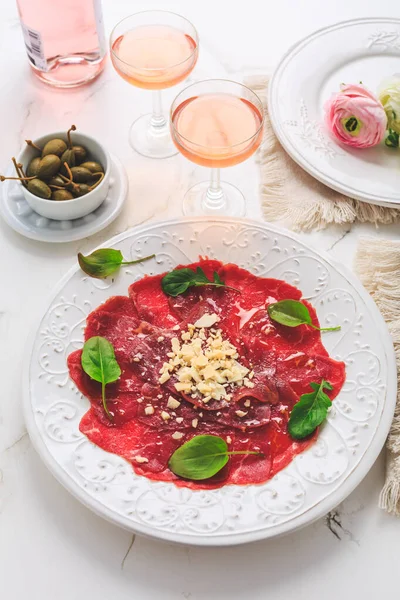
(152, 419)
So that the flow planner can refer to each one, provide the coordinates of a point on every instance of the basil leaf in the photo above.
(180, 280)
(201, 278)
(310, 411)
(202, 457)
(99, 362)
(104, 262)
(293, 313)
(217, 278)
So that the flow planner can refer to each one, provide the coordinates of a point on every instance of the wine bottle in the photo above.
(64, 40)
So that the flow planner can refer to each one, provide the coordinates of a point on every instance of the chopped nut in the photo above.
(195, 423)
(161, 338)
(248, 383)
(179, 420)
(141, 459)
(165, 416)
(247, 403)
(149, 410)
(228, 439)
(241, 413)
(173, 403)
(177, 435)
(206, 321)
(164, 377)
(183, 387)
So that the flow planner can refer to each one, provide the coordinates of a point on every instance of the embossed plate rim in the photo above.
(353, 478)
(293, 151)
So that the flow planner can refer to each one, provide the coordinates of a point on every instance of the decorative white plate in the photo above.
(18, 214)
(366, 50)
(310, 486)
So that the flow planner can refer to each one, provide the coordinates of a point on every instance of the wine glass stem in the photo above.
(214, 197)
(158, 121)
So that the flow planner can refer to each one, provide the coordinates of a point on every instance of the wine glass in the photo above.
(216, 123)
(153, 50)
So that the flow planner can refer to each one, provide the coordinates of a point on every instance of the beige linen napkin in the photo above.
(377, 263)
(291, 195)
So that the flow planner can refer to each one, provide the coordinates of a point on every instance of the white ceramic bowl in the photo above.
(78, 207)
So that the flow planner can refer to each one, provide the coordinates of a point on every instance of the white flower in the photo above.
(389, 95)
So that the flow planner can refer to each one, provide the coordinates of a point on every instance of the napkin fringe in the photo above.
(390, 494)
(378, 264)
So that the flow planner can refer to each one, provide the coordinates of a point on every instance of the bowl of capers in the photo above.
(64, 175)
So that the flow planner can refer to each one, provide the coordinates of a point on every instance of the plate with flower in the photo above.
(334, 103)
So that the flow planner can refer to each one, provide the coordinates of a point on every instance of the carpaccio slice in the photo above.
(141, 325)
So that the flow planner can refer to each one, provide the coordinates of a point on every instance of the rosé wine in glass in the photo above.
(217, 130)
(154, 57)
(154, 50)
(216, 124)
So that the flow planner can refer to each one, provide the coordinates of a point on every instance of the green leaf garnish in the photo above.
(392, 139)
(293, 313)
(99, 362)
(202, 457)
(310, 411)
(178, 281)
(104, 262)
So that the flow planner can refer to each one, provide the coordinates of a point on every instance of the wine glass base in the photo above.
(195, 201)
(150, 141)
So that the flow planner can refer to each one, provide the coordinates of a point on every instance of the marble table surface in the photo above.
(50, 545)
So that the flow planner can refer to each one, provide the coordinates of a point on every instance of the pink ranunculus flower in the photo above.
(356, 117)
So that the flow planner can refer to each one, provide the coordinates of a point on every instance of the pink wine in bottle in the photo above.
(65, 41)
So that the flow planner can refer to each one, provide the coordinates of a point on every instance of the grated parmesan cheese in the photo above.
(205, 366)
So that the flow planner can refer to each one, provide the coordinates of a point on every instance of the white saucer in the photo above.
(18, 214)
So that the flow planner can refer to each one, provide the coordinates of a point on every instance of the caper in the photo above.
(57, 180)
(80, 174)
(83, 189)
(33, 167)
(80, 154)
(69, 157)
(93, 166)
(61, 195)
(56, 146)
(49, 166)
(39, 188)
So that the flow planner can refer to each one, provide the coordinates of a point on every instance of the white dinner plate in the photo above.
(366, 50)
(311, 485)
